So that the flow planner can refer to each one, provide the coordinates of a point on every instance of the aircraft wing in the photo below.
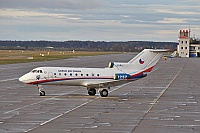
(111, 83)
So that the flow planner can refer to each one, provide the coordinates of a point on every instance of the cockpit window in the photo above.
(37, 71)
(34, 71)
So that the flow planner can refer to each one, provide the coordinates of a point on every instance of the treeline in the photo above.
(128, 46)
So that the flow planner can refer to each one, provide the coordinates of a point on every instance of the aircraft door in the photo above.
(50, 75)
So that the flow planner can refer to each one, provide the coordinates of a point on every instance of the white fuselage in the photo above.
(75, 76)
(95, 78)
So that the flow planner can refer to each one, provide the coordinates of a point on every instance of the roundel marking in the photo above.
(141, 61)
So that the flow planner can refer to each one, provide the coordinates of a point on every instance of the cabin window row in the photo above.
(76, 74)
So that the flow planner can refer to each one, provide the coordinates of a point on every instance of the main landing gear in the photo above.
(42, 93)
(91, 91)
(103, 92)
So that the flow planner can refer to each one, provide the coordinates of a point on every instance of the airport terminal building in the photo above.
(188, 47)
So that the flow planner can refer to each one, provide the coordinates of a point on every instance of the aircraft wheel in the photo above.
(91, 91)
(104, 93)
(42, 93)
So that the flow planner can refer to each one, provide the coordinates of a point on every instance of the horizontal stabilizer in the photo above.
(159, 50)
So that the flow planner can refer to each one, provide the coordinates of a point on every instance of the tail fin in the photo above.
(146, 59)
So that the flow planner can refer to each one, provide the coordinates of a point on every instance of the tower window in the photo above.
(185, 47)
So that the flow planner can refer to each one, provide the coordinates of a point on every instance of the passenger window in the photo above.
(60, 74)
(54, 73)
(65, 74)
(76, 74)
(87, 74)
(98, 75)
(81, 74)
(92, 74)
(70, 74)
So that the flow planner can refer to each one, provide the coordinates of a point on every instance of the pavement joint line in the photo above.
(156, 100)
(159, 96)
(53, 98)
(61, 115)
(73, 109)
(120, 86)
(37, 102)
(8, 79)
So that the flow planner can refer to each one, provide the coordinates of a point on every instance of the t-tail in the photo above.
(143, 62)
(147, 59)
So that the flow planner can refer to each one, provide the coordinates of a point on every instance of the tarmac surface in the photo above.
(167, 100)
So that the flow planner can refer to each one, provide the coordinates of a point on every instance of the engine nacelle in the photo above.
(121, 76)
(117, 64)
(111, 65)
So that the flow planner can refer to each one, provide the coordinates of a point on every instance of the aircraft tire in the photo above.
(104, 93)
(92, 91)
(42, 93)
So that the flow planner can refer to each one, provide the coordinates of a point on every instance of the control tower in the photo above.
(183, 48)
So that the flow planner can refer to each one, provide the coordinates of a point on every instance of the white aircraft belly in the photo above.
(78, 82)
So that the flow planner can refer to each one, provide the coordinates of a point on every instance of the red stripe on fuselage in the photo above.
(62, 79)
(149, 69)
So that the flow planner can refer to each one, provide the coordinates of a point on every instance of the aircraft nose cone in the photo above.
(23, 79)
(26, 78)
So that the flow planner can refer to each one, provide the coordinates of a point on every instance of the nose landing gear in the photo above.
(42, 93)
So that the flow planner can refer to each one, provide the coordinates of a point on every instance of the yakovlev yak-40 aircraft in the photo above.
(95, 78)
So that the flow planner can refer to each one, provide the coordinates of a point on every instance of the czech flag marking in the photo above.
(141, 61)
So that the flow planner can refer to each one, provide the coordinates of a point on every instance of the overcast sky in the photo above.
(98, 20)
